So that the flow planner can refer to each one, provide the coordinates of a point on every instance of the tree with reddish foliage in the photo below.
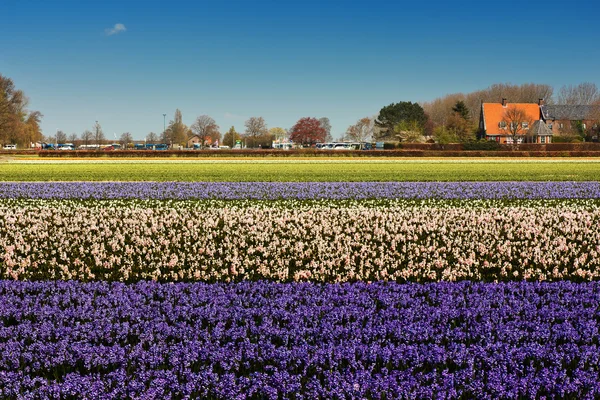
(307, 131)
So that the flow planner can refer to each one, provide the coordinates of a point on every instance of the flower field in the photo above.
(303, 341)
(290, 240)
(189, 288)
(300, 190)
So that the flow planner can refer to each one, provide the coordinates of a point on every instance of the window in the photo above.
(550, 126)
(513, 125)
(525, 125)
(583, 126)
(561, 126)
(542, 139)
(502, 124)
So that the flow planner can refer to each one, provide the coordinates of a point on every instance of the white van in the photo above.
(10, 147)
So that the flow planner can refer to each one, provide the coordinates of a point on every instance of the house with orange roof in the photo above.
(511, 123)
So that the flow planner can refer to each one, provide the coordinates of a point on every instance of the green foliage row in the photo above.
(482, 145)
(336, 170)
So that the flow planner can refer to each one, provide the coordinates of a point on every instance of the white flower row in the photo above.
(291, 240)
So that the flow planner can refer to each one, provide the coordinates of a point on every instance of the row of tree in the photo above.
(452, 118)
(256, 134)
(455, 117)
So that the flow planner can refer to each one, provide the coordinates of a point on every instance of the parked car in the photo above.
(10, 147)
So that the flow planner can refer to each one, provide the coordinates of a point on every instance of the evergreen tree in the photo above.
(462, 110)
(396, 113)
(230, 137)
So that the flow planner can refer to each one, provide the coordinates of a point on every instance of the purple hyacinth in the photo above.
(300, 190)
(304, 341)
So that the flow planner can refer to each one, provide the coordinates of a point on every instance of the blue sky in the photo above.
(282, 60)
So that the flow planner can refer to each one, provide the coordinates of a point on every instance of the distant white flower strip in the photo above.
(324, 241)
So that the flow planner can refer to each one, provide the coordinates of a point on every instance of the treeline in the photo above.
(18, 125)
(449, 119)
(257, 134)
(205, 132)
(455, 117)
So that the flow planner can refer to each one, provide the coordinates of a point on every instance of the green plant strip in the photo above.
(295, 171)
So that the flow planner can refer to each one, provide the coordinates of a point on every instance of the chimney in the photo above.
(541, 102)
(503, 102)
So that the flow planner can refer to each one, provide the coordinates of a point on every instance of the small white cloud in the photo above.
(118, 28)
(229, 115)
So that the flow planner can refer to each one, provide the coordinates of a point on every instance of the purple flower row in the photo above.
(300, 190)
(303, 341)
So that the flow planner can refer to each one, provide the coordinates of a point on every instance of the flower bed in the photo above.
(303, 341)
(300, 190)
(291, 240)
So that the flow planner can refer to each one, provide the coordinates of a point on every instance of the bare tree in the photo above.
(126, 138)
(72, 138)
(177, 132)
(31, 132)
(278, 133)
(583, 94)
(152, 138)
(87, 136)
(593, 118)
(61, 137)
(361, 131)
(98, 133)
(255, 127)
(214, 134)
(206, 128)
(326, 124)
(516, 121)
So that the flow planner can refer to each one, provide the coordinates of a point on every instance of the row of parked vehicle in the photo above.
(344, 146)
(105, 147)
(164, 146)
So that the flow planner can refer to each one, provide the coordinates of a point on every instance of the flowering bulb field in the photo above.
(291, 240)
(300, 290)
(303, 341)
(300, 190)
